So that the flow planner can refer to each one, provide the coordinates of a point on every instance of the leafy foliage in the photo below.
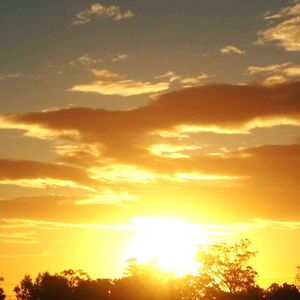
(285, 291)
(225, 274)
(226, 267)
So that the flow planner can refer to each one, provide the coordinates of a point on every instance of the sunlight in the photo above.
(172, 243)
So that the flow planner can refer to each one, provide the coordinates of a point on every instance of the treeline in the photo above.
(224, 274)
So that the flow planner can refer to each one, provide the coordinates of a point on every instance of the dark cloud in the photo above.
(16, 171)
(102, 139)
(226, 107)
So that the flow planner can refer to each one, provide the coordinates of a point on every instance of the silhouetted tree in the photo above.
(282, 292)
(144, 281)
(224, 275)
(224, 268)
(252, 293)
(26, 290)
(68, 285)
(2, 294)
(45, 287)
(99, 289)
(74, 277)
(297, 281)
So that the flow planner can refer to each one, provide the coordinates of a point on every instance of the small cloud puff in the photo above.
(99, 10)
(121, 56)
(230, 49)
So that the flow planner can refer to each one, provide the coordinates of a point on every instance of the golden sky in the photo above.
(120, 111)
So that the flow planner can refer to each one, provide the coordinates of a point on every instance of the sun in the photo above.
(170, 242)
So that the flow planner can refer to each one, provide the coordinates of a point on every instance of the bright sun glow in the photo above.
(172, 243)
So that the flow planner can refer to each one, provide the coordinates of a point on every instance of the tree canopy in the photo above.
(227, 268)
(224, 274)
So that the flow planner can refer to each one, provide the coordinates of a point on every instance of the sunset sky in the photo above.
(120, 112)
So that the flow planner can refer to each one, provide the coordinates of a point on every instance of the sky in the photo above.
(118, 110)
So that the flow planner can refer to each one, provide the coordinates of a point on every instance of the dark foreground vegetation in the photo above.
(225, 274)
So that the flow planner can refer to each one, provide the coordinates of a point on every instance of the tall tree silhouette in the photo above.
(2, 294)
(297, 281)
(226, 267)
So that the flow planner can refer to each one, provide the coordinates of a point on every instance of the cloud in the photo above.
(39, 174)
(108, 197)
(171, 76)
(212, 107)
(270, 164)
(230, 49)
(194, 81)
(172, 151)
(43, 224)
(281, 225)
(286, 31)
(205, 228)
(111, 83)
(85, 60)
(115, 84)
(185, 82)
(105, 74)
(121, 56)
(25, 237)
(97, 10)
(7, 76)
(127, 153)
(252, 70)
(79, 206)
(275, 74)
(114, 173)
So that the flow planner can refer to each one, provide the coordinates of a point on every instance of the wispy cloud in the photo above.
(25, 237)
(105, 74)
(205, 228)
(111, 83)
(275, 74)
(109, 197)
(230, 49)
(97, 10)
(43, 224)
(40, 174)
(121, 56)
(172, 151)
(195, 81)
(85, 60)
(259, 223)
(185, 81)
(286, 31)
(170, 75)
(7, 76)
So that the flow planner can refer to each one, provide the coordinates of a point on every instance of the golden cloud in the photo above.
(230, 49)
(127, 135)
(40, 174)
(111, 83)
(287, 30)
(275, 74)
(99, 10)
